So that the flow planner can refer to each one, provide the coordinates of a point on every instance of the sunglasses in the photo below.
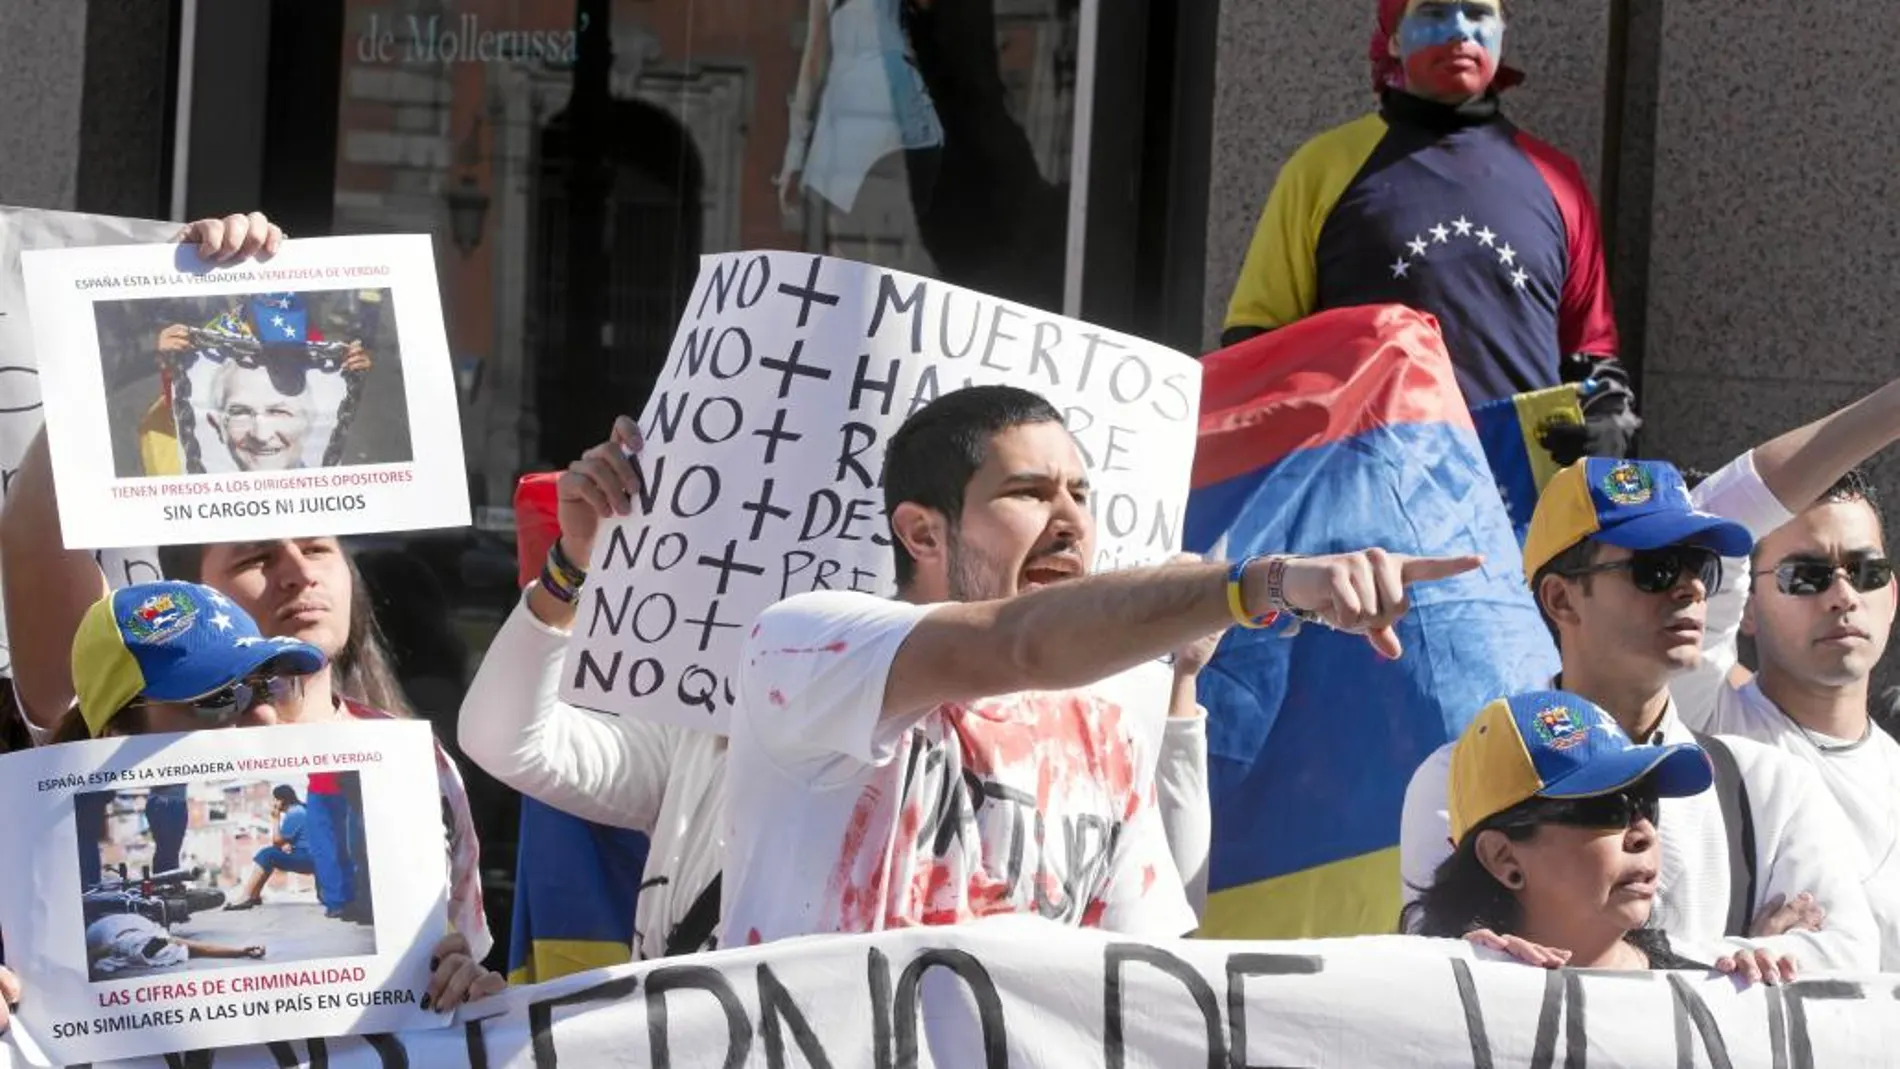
(1657, 571)
(1812, 578)
(226, 704)
(1615, 811)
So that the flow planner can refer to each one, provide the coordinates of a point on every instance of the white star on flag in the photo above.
(1401, 267)
(1440, 234)
(220, 600)
(1417, 245)
(221, 622)
(247, 641)
(290, 331)
(283, 640)
(1519, 277)
(1462, 225)
(1486, 237)
(1507, 255)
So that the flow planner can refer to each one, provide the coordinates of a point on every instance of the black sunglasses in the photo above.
(1812, 578)
(1656, 571)
(226, 704)
(1615, 811)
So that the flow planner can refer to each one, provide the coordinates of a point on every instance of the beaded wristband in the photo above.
(560, 577)
(1237, 605)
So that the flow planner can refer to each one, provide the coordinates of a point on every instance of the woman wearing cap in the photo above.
(171, 657)
(1553, 810)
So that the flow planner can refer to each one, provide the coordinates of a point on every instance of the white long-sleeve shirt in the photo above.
(1800, 833)
(665, 781)
(669, 782)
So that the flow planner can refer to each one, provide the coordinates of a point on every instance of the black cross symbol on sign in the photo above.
(808, 294)
(706, 625)
(726, 565)
(775, 434)
(790, 368)
(762, 508)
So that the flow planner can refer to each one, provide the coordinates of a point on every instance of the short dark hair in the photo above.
(1850, 487)
(1569, 562)
(1463, 895)
(934, 455)
(286, 794)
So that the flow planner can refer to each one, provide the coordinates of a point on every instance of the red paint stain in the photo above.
(753, 938)
(1092, 916)
(776, 697)
(1147, 878)
(830, 647)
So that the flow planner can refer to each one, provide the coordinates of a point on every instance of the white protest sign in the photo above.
(764, 456)
(20, 414)
(1024, 994)
(308, 394)
(125, 853)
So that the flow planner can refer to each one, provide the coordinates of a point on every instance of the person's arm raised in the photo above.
(48, 589)
(1075, 633)
(1799, 466)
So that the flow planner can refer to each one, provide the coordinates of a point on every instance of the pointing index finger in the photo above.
(1431, 569)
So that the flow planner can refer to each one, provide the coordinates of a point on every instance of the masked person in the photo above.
(1820, 613)
(164, 657)
(1554, 812)
(960, 751)
(1623, 562)
(305, 588)
(1437, 201)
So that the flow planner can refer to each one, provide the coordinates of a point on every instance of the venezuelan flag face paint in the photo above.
(1451, 48)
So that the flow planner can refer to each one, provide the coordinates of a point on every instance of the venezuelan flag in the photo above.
(1338, 432)
(1509, 429)
(575, 887)
(576, 882)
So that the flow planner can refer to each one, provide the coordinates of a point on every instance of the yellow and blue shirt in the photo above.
(1452, 211)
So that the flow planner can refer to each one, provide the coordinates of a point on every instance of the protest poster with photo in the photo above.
(764, 456)
(310, 393)
(20, 413)
(175, 892)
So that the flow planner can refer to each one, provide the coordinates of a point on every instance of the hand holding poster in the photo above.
(308, 394)
(764, 455)
(175, 886)
(20, 416)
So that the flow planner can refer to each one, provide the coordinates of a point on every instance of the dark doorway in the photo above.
(652, 243)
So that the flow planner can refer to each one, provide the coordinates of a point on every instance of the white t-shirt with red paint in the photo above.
(842, 821)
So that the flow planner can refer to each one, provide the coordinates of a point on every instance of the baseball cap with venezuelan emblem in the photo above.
(171, 642)
(1553, 744)
(1636, 504)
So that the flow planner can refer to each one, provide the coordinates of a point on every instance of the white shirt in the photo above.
(661, 780)
(1864, 779)
(121, 941)
(1800, 836)
(842, 820)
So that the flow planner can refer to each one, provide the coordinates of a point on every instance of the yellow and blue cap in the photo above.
(171, 642)
(1553, 744)
(1636, 504)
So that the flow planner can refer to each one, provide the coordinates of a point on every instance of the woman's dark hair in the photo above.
(1463, 896)
(362, 671)
(129, 720)
(286, 794)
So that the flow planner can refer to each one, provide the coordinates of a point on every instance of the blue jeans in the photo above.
(167, 813)
(327, 831)
(273, 860)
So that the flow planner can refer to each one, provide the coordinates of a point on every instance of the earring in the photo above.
(1514, 879)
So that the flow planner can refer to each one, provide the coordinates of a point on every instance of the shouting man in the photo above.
(958, 752)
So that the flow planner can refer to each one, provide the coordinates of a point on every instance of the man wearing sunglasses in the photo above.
(1623, 561)
(1820, 612)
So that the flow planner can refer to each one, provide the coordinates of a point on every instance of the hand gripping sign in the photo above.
(764, 453)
